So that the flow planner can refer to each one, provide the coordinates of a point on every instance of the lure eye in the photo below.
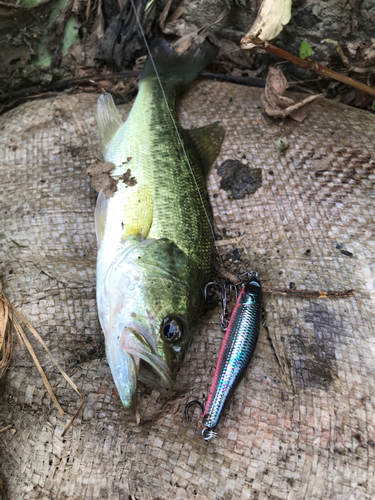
(172, 330)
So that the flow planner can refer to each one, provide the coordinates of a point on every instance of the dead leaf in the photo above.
(321, 165)
(189, 33)
(238, 59)
(353, 47)
(273, 15)
(163, 16)
(105, 85)
(180, 28)
(92, 47)
(76, 51)
(176, 15)
(368, 51)
(278, 105)
(101, 179)
(362, 99)
(139, 63)
(184, 43)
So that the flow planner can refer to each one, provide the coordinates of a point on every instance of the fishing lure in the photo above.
(236, 351)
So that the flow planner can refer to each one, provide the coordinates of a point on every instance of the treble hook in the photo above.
(207, 432)
(209, 284)
(195, 402)
(224, 317)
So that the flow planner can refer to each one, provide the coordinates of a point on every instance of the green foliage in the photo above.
(333, 42)
(149, 5)
(28, 3)
(71, 35)
(305, 50)
(43, 57)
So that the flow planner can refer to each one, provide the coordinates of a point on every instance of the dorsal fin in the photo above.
(207, 141)
(109, 120)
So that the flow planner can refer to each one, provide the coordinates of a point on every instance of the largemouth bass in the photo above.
(155, 235)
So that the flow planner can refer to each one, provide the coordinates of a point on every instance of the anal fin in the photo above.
(207, 141)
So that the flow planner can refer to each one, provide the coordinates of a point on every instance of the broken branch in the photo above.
(310, 65)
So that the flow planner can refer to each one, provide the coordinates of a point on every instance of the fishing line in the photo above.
(171, 115)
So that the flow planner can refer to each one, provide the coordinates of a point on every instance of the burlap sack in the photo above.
(301, 424)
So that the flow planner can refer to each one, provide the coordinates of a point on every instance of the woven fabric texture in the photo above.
(301, 423)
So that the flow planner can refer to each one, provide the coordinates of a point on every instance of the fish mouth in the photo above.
(153, 370)
(136, 357)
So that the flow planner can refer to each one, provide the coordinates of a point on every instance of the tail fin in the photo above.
(177, 70)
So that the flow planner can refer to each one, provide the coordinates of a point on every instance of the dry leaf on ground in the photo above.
(321, 165)
(163, 16)
(273, 15)
(278, 105)
(187, 33)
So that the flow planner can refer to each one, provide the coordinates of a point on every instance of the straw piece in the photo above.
(10, 320)
(36, 334)
(6, 335)
(74, 417)
(5, 428)
(22, 334)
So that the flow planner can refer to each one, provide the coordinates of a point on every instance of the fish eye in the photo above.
(172, 329)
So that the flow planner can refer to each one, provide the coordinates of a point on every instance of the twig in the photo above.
(239, 80)
(64, 84)
(17, 97)
(5, 428)
(288, 292)
(310, 65)
(72, 82)
(309, 294)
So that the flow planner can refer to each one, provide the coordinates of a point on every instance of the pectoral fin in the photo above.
(109, 120)
(207, 141)
(138, 212)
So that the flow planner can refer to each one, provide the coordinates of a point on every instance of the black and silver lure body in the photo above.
(236, 351)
